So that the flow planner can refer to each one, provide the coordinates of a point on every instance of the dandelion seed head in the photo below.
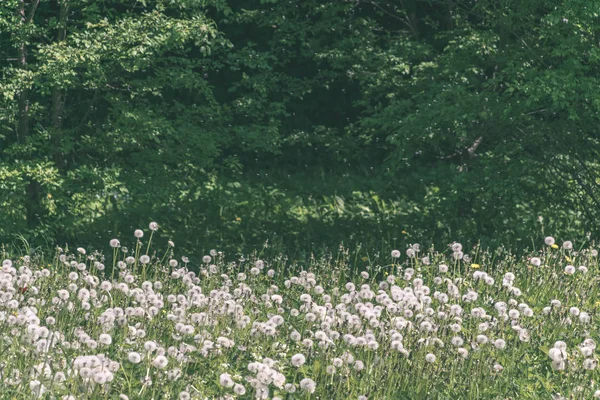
(298, 360)
(569, 270)
(308, 385)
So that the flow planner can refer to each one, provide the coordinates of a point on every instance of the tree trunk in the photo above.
(57, 95)
(23, 127)
(32, 191)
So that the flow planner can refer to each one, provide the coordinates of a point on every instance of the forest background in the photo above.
(305, 123)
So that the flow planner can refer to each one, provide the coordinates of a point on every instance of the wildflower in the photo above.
(226, 381)
(535, 261)
(105, 339)
(298, 360)
(558, 365)
(482, 339)
(443, 268)
(555, 303)
(556, 353)
(238, 389)
(574, 311)
(37, 388)
(145, 259)
(524, 335)
(569, 270)
(457, 341)
(396, 253)
(568, 245)
(305, 297)
(559, 344)
(206, 259)
(114, 243)
(586, 351)
(184, 395)
(549, 240)
(475, 266)
(430, 358)
(153, 226)
(308, 385)
(372, 344)
(138, 233)
(160, 362)
(290, 388)
(63, 294)
(134, 357)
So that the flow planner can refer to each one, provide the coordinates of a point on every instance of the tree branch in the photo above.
(34, 7)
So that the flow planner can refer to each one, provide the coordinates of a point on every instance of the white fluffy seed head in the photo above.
(308, 385)
(134, 357)
(298, 360)
(225, 380)
(160, 362)
(569, 270)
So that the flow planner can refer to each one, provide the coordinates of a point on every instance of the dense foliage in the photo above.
(299, 122)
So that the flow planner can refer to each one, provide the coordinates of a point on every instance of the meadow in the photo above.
(137, 320)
